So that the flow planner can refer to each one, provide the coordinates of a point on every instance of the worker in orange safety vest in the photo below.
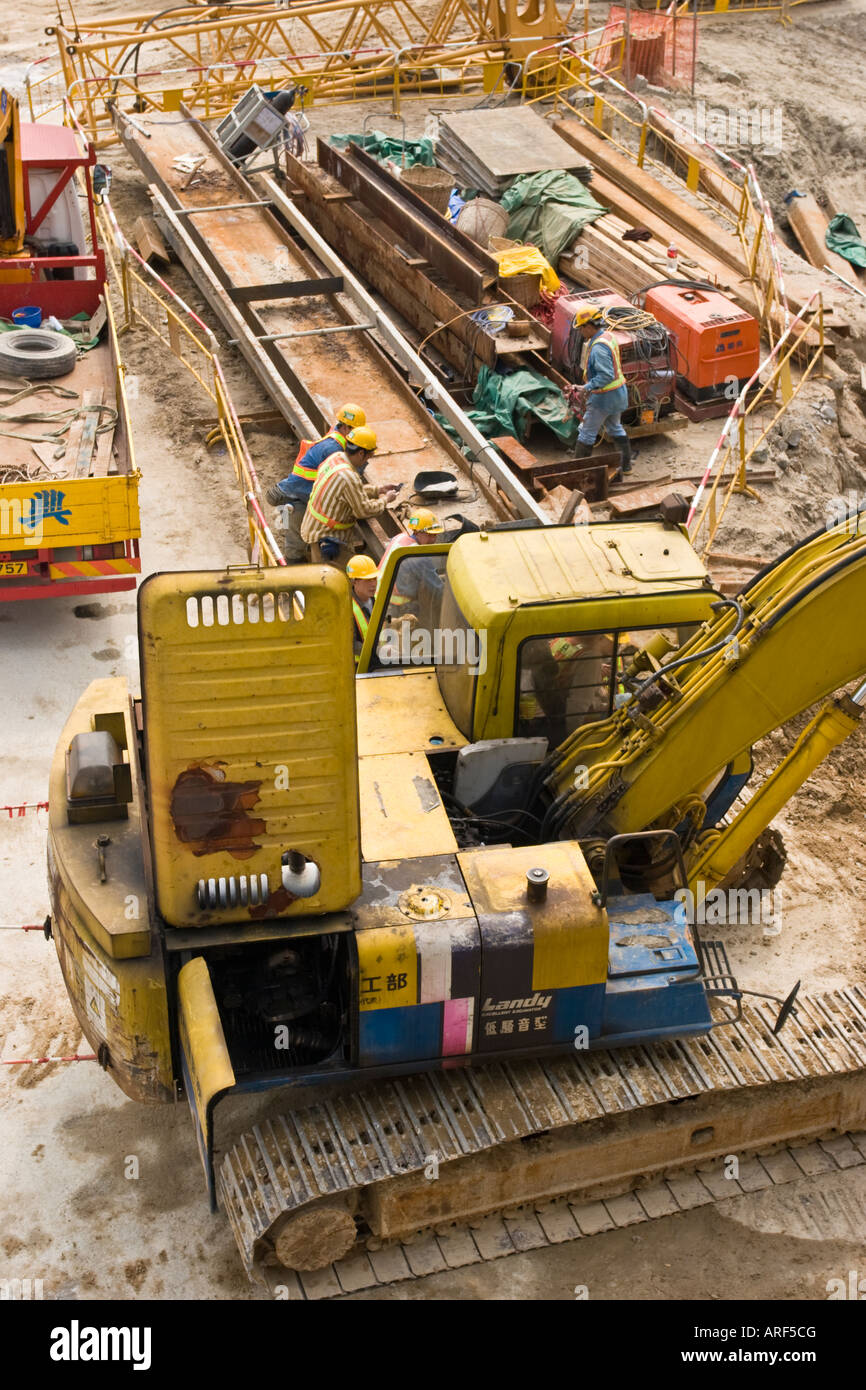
(293, 492)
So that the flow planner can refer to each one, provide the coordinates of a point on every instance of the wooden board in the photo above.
(655, 196)
(809, 224)
(148, 239)
(90, 420)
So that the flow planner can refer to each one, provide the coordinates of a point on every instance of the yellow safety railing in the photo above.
(743, 431)
(655, 141)
(707, 8)
(188, 338)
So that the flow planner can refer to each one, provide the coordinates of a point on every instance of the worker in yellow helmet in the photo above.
(422, 528)
(363, 574)
(340, 498)
(606, 390)
(293, 492)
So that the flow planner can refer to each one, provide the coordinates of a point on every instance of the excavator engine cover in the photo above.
(250, 744)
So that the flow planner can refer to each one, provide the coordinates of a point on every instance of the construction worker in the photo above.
(606, 391)
(422, 528)
(364, 576)
(340, 498)
(294, 491)
(564, 682)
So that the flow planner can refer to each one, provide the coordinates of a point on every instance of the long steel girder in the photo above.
(311, 351)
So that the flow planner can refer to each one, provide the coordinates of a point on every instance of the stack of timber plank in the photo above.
(634, 194)
(600, 259)
(487, 150)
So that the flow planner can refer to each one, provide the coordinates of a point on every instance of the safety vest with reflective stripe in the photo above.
(337, 463)
(619, 379)
(310, 474)
(362, 622)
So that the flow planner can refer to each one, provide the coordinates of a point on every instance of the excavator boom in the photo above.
(789, 640)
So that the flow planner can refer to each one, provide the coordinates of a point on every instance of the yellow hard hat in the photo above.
(422, 520)
(352, 415)
(362, 438)
(361, 567)
(586, 314)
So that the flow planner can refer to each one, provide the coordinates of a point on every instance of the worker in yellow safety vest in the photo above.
(564, 682)
(293, 492)
(606, 390)
(363, 574)
(340, 498)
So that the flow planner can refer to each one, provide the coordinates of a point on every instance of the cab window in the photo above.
(410, 627)
(569, 679)
(564, 681)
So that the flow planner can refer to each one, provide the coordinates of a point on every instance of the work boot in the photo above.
(582, 450)
(624, 446)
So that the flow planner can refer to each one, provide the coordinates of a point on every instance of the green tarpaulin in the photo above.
(383, 147)
(503, 405)
(843, 238)
(549, 210)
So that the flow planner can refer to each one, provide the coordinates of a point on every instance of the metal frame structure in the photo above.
(340, 50)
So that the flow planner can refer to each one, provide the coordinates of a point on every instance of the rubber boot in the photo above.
(624, 446)
(583, 451)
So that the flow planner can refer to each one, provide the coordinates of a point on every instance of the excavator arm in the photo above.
(794, 636)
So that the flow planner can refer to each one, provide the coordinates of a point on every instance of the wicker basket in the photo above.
(433, 185)
(482, 219)
(525, 289)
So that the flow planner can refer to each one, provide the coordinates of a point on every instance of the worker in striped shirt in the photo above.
(340, 498)
(293, 492)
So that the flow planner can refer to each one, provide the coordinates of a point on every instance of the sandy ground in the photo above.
(68, 1214)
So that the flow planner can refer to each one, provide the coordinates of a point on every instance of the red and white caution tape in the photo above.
(22, 810)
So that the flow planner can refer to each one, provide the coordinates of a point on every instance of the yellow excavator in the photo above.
(438, 913)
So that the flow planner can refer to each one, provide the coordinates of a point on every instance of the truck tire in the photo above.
(36, 353)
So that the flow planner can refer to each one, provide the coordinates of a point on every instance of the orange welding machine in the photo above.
(717, 343)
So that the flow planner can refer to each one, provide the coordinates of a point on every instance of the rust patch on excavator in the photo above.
(278, 901)
(211, 814)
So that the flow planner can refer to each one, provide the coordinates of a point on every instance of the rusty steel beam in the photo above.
(503, 483)
(421, 302)
(472, 271)
(360, 238)
(308, 373)
(440, 224)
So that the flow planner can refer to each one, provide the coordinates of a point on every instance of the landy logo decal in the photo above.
(508, 1006)
(76, 1343)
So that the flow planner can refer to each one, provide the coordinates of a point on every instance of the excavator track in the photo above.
(345, 1182)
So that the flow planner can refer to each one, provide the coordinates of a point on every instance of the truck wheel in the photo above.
(315, 1238)
(36, 353)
